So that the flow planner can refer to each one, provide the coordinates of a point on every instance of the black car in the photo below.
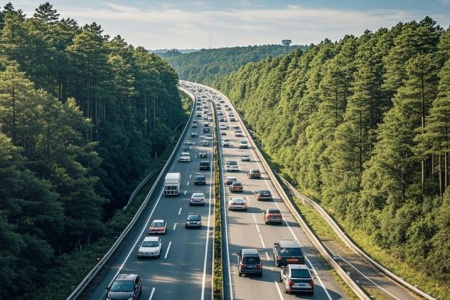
(125, 286)
(263, 195)
(204, 165)
(249, 262)
(200, 180)
(193, 221)
(287, 252)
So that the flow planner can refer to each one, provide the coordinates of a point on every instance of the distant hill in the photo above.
(205, 65)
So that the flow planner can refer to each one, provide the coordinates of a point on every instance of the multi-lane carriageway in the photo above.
(184, 269)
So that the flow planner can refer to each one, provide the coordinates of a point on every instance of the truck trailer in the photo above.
(172, 184)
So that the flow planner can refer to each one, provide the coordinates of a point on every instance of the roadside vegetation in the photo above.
(362, 127)
(83, 119)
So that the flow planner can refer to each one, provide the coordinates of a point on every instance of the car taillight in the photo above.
(311, 283)
(278, 257)
(290, 283)
(241, 265)
(259, 266)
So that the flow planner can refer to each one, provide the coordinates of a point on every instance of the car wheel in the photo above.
(281, 278)
(240, 274)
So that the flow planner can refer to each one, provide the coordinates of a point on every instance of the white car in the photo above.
(243, 144)
(245, 157)
(231, 166)
(223, 126)
(185, 157)
(197, 199)
(237, 204)
(150, 247)
(238, 133)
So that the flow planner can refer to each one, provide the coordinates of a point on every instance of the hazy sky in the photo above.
(197, 24)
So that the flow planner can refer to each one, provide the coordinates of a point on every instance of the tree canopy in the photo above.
(82, 116)
(362, 126)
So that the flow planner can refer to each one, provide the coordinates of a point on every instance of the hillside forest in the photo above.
(362, 125)
(206, 65)
(83, 117)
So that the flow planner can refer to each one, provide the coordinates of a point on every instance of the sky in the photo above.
(207, 24)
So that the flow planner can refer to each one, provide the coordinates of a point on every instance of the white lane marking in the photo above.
(167, 251)
(179, 211)
(188, 183)
(259, 232)
(278, 290)
(174, 226)
(267, 256)
(153, 292)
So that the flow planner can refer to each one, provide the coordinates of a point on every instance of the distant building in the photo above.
(287, 43)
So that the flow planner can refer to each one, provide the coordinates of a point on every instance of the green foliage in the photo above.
(206, 65)
(82, 119)
(362, 126)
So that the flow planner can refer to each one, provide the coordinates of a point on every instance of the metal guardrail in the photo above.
(84, 283)
(352, 246)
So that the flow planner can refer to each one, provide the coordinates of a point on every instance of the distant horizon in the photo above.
(208, 24)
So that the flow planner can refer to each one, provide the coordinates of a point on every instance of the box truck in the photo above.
(172, 184)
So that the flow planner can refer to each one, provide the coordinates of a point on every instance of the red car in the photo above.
(158, 227)
(273, 215)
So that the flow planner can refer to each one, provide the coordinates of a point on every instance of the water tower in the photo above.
(287, 43)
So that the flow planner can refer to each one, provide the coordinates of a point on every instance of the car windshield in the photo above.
(300, 273)
(150, 244)
(122, 286)
(197, 195)
(158, 224)
(231, 163)
(264, 193)
(193, 218)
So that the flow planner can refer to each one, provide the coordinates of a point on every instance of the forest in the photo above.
(362, 125)
(83, 118)
(206, 65)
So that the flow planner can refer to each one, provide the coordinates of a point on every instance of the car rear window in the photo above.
(251, 259)
(291, 251)
(300, 273)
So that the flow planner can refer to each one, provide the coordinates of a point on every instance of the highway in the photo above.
(184, 269)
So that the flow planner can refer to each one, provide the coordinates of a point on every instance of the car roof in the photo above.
(288, 243)
(298, 266)
(194, 215)
(158, 221)
(250, 251)
(151, 238)
(197, 194)
(237, 199)
(126, 277)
